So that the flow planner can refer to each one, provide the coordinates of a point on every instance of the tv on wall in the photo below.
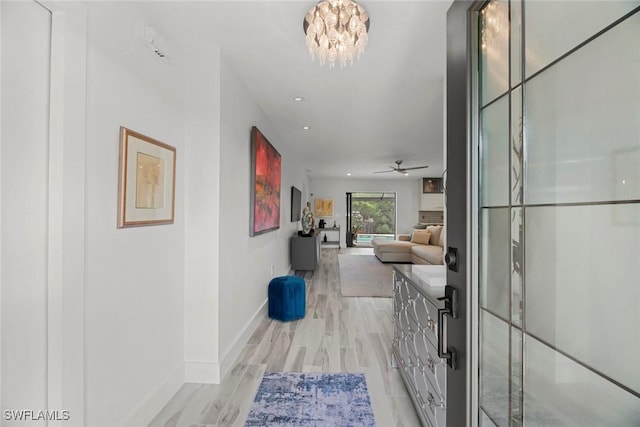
(296, 204)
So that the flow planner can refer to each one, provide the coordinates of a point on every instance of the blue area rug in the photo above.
(311, 399)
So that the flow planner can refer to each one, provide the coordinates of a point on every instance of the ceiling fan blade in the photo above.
(415, 167)
(393, 170)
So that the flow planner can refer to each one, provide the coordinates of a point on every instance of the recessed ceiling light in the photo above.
(348, 173)
(306, 127)
(298, 98)
(406, 174)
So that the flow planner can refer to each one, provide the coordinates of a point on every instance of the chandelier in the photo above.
(336, 30)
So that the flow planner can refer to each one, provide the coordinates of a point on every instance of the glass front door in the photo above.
(557, 98)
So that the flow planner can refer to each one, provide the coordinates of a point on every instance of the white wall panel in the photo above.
(26, 44)
(134, 300)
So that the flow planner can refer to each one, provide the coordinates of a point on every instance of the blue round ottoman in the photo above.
(287, 298)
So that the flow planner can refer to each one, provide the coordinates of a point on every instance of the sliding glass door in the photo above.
(372, 215)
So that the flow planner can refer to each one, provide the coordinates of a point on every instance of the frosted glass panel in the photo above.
(494, 372)
(582, 127)
(517, 167)
(581, 285)
(559, 392)
(495, 292)
(516, 376)
(516, 42)
(517, 263)
(494, 50)
(555, 27)
(485, 421)
(495, 153)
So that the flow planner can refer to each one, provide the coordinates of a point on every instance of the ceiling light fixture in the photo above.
(306, 127)
(336, 30)
(298, 98)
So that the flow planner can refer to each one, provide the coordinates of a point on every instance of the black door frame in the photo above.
(459, 197)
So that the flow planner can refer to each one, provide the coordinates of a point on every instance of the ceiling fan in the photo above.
(400, 169)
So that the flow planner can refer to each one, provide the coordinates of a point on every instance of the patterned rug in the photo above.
(311, 399)
(365, 276)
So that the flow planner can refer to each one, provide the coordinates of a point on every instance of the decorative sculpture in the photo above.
(307, 219)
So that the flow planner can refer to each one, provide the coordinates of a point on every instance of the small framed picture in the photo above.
(432, 185)
(323, 207)
(147, 180)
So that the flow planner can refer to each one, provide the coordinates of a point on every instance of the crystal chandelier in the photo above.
(336, 30)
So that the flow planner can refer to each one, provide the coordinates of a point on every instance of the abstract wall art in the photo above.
(265, 184)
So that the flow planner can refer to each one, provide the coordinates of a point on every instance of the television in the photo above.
(296, 204)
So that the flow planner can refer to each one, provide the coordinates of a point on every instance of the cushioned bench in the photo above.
(287, 298)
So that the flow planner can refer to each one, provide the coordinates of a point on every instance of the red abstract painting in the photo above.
(265, 184)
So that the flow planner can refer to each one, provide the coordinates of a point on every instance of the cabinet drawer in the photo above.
(425, 314)
(407, 360)
(427, 360)
(434, 367)
(435, 410)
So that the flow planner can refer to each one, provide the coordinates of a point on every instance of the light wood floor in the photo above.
(337, 335)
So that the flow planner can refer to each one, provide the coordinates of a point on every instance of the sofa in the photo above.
(422, 246)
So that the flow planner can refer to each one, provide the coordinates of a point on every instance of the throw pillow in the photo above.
(420, 236)
(435, 231)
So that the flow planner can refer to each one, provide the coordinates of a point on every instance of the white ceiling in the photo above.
(388, 106)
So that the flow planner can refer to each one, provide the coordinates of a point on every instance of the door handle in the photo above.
(450, 309)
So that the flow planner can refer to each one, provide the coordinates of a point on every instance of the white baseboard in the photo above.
(202, 372)
(147, 412)
(195, 372)
(230, 357)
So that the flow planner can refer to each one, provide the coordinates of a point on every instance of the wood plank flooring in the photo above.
(338, 334)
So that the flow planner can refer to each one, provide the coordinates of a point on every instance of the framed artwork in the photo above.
(432, 185)
(323, 207)
(296, 204)
(265, 184)
(147, 180)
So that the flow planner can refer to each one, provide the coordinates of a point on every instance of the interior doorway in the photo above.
(370, 215)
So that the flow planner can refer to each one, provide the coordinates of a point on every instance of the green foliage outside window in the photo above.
(370, 215)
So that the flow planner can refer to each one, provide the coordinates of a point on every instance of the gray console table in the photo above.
(416, 289)
(305, 252)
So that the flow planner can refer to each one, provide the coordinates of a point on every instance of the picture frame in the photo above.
(266, 164)
(431, 185)
(296, 204)
(323, 207)
(147, 180)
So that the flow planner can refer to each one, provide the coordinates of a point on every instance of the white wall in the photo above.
(202, 205)
(246, 262)
(336, 188)
(26, 38)
(140, 306)
(134, 277)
